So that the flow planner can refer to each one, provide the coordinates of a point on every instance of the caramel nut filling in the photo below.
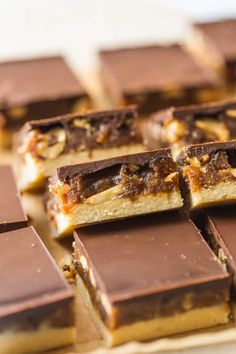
(209, 170)
(119, 181)
(213, 129)
(80, 134)
(43, 146)
(197, 128)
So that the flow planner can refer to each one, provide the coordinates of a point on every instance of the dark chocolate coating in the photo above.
(31, 283)
(83, 169)
(207, 148)
(50, 123)
(222, 35)
(150, 255)
(12, 215)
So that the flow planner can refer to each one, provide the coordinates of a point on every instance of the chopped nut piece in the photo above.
(193, 161)
(140, 98)
(173, 131)
(233, 171)
(231, 113)
(187, 302)
(171, 177)
(207, 95)
(205, 158)
(221, 255)
(52, 144)
(218, 130)
(17, 112)
(108, 194)
(81, 123)
(174, 92)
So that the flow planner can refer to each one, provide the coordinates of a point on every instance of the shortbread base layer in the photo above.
(194, 319)
(222, 193)
(118, 208)
(26, 342)
(34, 172)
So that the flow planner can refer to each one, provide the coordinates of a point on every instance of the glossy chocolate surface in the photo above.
(12, 215)
(31, 282)
(83, 169)
(90, 116)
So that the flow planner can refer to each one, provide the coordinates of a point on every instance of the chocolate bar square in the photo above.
(156, 77)
(36, 303)
(150, 277)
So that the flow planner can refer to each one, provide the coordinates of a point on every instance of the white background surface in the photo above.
(77, 28)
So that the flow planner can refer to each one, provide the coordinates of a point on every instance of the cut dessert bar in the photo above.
(37, 88)
(44, 145)
(209, 173)
(214, 43)
(156, 77)
(181, 126)
(114, 188)
(12, 215)
(36, 303)
(150, 277)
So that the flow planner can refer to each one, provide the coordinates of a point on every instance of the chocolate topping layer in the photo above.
(68, 172)
(31, 284)
(195, 111)
(144, 173)
(49, 123)
(199, 150)
(222, 35)
(175, 260)
(35, 80)
(12, 215)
